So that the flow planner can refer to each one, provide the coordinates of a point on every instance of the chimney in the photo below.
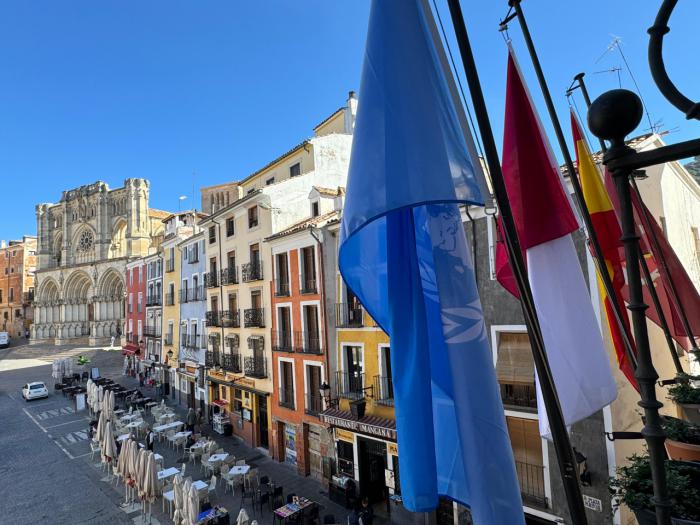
(350, 112)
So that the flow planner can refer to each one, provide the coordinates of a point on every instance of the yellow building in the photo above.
(177, 227)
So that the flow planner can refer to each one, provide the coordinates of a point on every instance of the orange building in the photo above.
(17, 267)
(300, 344)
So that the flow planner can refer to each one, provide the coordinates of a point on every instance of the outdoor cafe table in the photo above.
(134, 425)
(292, 509)
(119, 411)
(167, 473)
(238, 469)
(123, 437)
(129, 417)
(160, 429)
(215, 458)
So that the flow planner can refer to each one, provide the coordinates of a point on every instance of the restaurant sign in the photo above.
(358, 426)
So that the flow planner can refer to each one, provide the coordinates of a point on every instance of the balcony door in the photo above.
(515, 371)
(313, 389)
(308, 269)
(312, 339)
(255, 255)
(285, 327)
(354, 366)
(529, 465)
(212, 266)
(282, 276)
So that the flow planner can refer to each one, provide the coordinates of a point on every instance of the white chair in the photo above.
(212, 487)
(169, 436)
(224, 472)
(94, 448)
(206, 465)
(169, 496)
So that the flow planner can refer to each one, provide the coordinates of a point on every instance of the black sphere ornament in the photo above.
(615, 114)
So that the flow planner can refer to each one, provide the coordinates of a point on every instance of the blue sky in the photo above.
(164, 89)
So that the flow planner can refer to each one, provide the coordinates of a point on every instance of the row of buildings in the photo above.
(239, 310)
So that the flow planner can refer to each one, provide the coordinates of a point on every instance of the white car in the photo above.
(4, 339)
(35, 390)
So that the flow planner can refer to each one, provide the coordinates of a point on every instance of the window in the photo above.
(283, 338)
(0, 295)
(131, 302)
(384, 386)
(252, 217)
(11, 295)
(295, 169)
(313, 389)
(231, 257)
(269, 181)
(256, 299)
(229, 227)
(255, 255)
(352, 381)
(308, 270)
(286, 384)
(131, 277)
(311, 334)
(212, 234)
(251, 190)
(232, 303)
(140, 328)
(314, 209)
(527, 451)
(140, 302)
(346, 458)
(282, 277)
(515, 371)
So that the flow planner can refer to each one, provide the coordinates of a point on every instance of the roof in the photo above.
(329, 117)
(272, 163)
(634, 142)
(158, 214)
(328, 192)
(306, 224)
(200, 215)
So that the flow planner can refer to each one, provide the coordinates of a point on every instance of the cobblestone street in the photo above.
(48, 475)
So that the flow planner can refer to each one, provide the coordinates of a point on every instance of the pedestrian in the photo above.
(140, 378)
(150, 439)
(26, 334)
(200, 419)
(111, 343)
(191, 420)
(366, 513)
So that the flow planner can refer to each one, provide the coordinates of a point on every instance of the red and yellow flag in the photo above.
(607, 229)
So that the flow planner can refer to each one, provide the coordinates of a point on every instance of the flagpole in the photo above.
(560, 437)
(599, 258)
(643, 263)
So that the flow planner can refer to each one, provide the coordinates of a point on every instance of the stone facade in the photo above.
(84, 242)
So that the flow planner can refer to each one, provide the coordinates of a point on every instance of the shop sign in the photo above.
(393, 449)
(246, 414)
(389, 478)
(344, 435)
(290, 444)
(357, 426)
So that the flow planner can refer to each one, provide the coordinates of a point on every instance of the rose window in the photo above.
(86, 241)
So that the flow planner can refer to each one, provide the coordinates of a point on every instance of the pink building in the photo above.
(135, 308)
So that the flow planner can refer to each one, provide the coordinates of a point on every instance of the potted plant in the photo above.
(682, 439)
(632, 486)
(688, 399)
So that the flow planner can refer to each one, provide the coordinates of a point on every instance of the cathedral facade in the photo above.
(83, 244)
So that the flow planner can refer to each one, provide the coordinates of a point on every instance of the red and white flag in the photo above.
(545, 221)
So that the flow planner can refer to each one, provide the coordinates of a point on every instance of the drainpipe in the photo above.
(221, 285)
(323, 300)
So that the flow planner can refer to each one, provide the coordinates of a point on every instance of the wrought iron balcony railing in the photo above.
(212, 318)
(190, 341)
(230, 319)
(254, 317)
(184, 295)
(154, 300)
(212, 358)
(286, 399)
(350, 385)
(169, 265)
(255, 367)
(314, 404)
(519, 396)
(195, 293)
(307, 342)
(531, 480)
(231, 362)
(282, 341)
(211, 279)
(169, 299)
(281, 288)
(383, 390)
(347, 316)
(252, 271)
(229, 275)
(309, 286)
(151, 330)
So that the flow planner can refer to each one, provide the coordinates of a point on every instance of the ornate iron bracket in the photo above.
(658, 69)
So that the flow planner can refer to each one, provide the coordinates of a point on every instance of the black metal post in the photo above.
(562, 445)
(599, 258)
(642, 261)
(611, 117)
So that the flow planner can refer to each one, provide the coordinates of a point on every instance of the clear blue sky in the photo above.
(161, 89)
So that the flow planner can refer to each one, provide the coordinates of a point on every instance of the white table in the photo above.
(168, 472)
(129, 417)
(119, 411)
(239, 469)
(123, 437)
(183, 434)
(199, 484)
(217, 457)
(167, 426)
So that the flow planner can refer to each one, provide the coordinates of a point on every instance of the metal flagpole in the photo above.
(562, 445)
(599, 258)
(642, 261)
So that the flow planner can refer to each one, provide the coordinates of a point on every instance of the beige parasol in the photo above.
(108, 446)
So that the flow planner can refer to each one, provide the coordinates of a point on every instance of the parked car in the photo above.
(35, 390)
(4, 339)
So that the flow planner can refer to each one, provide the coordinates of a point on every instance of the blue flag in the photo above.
(404, 254)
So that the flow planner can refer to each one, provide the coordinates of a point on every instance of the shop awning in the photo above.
(233, 384)
(128, 351)
(369, 425)
(220, 403)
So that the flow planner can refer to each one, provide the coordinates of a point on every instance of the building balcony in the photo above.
(347, 316)
(195, 293)
(212, 318)
(151, 330)
(255, 367)
(531, 480)
(168, 338)
(229, 275)
(169, 299)
(230, 319)
(212, 358)
(307, 342)
(211, 279)
(521, 397)
(252, 271)
(314, 404)
(286, 398)
(281, 288)
(154, 300)
(191, 341)
(184, 297)
(350, 385)
(309, 286)
(383, 390)
(282, 341)
(254, 317)
(231, 362)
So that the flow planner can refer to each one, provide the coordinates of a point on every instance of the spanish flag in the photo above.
(607, 229)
